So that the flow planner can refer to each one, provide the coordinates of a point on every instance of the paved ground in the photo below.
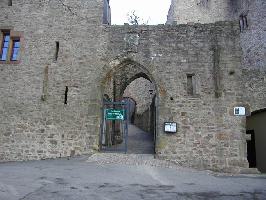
(139, 141)
(121, 177)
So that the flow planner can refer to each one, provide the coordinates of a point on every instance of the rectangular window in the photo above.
(66, 91)
(243, 22)
(190, 84)
(5, 45)
(10, 47)
(56, 51)
(15, 49)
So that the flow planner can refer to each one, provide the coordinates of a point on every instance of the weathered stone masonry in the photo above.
(33, 127)
(252, 24)
(35, 122)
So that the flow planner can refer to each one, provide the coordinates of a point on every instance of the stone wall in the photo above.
(209, 137)
(201, 11)
(143, 121)
(253, 38)
(205, 11)
(94, 60)
(34, 121)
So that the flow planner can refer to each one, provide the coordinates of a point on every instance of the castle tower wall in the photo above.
(201, 11)
(250, 14)
(46, 110)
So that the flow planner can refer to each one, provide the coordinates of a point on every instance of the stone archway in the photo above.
(122, 73)
(125, 73)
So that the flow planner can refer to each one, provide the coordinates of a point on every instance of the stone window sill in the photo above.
(10, 62)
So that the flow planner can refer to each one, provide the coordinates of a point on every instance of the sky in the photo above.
(155, 11)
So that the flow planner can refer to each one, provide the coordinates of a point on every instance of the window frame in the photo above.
(3, 36)
(10, 3)
(193, 80)
(12, 45)
(14, 36)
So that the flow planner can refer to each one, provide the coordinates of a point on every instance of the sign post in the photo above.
(114, 128)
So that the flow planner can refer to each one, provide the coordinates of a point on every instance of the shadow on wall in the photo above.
(143, 120)
(132, 108)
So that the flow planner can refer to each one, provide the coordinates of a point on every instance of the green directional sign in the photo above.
(115, 114)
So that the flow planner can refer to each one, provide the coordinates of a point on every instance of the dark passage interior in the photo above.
(251, 149)
(141, 97)
(135, 88)
(256, 143)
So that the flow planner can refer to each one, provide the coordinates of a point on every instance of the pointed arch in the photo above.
(119, 73)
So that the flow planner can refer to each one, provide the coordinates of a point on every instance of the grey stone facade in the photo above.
(202, 11)
(36, 122)
(251, 15)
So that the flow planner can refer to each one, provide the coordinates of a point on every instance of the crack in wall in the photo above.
(67, 8)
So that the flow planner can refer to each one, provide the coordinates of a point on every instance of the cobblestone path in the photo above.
(130, 159)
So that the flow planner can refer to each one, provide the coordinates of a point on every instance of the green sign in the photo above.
(115, 114)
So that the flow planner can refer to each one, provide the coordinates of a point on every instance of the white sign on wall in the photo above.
(239, 111)
(170, 127)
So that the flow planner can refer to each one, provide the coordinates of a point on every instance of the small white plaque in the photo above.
(170, 127)
(239, 111)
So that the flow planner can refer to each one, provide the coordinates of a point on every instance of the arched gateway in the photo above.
(256, 139)
(118, 133)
